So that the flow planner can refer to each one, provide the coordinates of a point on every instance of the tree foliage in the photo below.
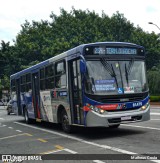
(38, 41)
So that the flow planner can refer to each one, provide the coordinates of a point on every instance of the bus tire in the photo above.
(114, 126)
(65, 122)
(26, 117)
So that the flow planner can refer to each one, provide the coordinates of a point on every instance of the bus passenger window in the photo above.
(42, 79)
(49, 70)
(49, 78)
(50, 83)
(60, 75)
(42, 84)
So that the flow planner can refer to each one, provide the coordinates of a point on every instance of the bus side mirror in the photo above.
(82, 66)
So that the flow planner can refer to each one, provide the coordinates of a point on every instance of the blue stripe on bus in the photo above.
(135, 104)
(129, 105)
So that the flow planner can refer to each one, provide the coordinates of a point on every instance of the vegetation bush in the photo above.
(155, 98)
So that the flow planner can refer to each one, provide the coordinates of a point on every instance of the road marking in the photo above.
(42, 140)
(28, 134)
(1, 125)
(65, 149)
(84, 141)
(18, 130)
(7, 137)
(59, 147)
(152, 128)
(52, 151)
(12, 136)
(10, 127)
(98, 161)
(70, 151)
(154, 113)
(1, 118)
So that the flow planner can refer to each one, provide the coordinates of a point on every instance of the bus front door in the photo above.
(75, 92)
(36, 95)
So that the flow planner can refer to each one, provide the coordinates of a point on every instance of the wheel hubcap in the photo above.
(65, 122)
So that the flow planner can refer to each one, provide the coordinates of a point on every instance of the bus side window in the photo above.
(60, 75)
(23, 83)
(42, 79)
(49, 77)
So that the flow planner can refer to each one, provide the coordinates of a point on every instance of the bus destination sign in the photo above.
(114, 50)
(121, 51)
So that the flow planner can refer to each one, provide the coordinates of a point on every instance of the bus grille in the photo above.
(120, 99)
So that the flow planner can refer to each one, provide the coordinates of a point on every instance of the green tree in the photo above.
(38, 41)
(151, 44)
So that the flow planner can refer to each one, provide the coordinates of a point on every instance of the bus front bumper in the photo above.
(94, 119)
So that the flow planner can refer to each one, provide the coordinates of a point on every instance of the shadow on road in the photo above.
(91, 133)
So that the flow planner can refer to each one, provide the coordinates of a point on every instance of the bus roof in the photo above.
(78, 49)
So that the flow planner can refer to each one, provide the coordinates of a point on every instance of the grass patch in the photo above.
(155, 98)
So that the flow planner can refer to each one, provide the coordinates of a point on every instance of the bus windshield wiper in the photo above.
(126, 74)
(128, 70)
(110, 69)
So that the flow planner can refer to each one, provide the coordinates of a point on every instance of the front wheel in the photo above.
(65, 122)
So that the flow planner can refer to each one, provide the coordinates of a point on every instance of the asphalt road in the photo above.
(97, 145)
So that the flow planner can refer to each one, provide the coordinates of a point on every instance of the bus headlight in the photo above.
(144, 107)
(102, 111)
(96, 109)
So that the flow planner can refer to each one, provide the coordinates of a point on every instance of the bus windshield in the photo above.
(106, 77)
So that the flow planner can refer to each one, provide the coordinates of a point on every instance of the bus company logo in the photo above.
(136, 104)
(6, 158)
(124, 106)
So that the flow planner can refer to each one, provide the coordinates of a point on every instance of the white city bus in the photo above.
(97, 84)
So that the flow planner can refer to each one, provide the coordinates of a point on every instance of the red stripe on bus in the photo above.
(108, 107)
(38, 111)
(86, 108)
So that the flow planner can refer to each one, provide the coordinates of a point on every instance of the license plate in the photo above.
(126, 118)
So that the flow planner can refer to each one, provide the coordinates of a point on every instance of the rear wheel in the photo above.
(65, 122)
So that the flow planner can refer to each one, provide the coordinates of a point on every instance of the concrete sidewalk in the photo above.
(3, 107)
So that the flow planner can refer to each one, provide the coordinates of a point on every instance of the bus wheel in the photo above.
(114, 126)
(27, 119)
(65, 122)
